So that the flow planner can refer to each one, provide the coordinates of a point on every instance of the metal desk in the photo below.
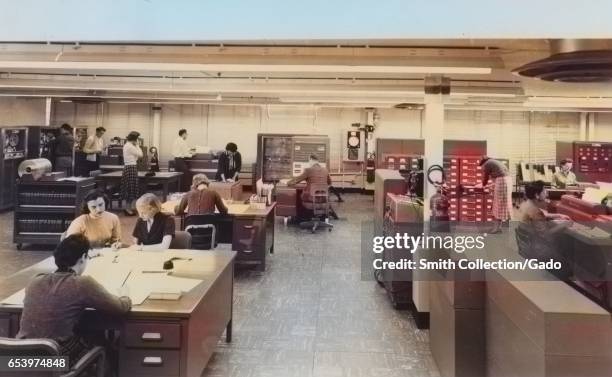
(187, 329)
(250, 231)
(163, 178)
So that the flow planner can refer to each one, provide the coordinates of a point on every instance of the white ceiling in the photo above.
(379, 73)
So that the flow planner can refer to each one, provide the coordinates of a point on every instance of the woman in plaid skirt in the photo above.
(130, 188)
(502, 190)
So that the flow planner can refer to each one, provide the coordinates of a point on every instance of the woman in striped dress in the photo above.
(130, 188)
(497, 172)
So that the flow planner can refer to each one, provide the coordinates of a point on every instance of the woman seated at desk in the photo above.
(154, 230)
(54, 302)
(201, 200)
(101, 228)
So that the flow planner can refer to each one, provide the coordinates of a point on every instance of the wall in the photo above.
(22, 112)
(526, 136)
(517, 136)
(603, 127)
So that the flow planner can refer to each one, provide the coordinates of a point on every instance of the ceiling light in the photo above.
(295, 68)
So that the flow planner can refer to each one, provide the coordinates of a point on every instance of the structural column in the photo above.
(433, 134)
(156, 129)
(583, 126)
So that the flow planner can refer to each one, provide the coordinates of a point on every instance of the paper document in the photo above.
(15, 299)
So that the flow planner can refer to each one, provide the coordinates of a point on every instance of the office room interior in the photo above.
(204, 191)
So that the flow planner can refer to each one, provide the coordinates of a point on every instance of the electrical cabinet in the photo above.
(14, 151)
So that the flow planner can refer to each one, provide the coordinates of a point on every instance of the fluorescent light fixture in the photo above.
(572, 102)
(346, 100)
(196, 67)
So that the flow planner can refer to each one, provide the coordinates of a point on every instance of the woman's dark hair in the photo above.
(69, 251)
(564, 161)
(483, 160)
(533, 188)
(66, 127)
(100, 129)
(93, 195)
(232, 147)
(133, 136)
(182, 132)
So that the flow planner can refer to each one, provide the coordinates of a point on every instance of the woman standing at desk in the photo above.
(55, 302)
(130, 188)
(230, 163)
(154, 230)
(201, 200)
(101, 228)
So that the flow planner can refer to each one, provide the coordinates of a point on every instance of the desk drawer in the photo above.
(149, 363)
(248, 234)
(152, 335)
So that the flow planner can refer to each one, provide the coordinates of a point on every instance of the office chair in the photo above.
(181, 240)
(319, 205)
(94, 360)
(202, 229)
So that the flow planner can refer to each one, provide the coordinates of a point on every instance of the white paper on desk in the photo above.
(110, 275)
(593, 195)
(142, 285)
(15, 299)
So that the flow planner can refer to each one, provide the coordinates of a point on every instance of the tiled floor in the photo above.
(309, 313)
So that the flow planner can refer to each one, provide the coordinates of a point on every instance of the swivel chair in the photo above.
(320, 207)
(92, 364)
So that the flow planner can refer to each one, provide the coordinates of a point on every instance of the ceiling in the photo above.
(355, 73)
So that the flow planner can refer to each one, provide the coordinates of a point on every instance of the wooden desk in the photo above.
(289, 200)
(163, 178)
(188, 329)
(250, 231)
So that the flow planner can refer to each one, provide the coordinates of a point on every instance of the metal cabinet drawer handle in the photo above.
(152, 361)
(247, 226)
(152, 337)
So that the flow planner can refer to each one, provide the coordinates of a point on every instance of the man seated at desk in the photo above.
(54, 302)
(531, 213)
(545, 229)
(201, 200)
(313, 175)
(564, 178)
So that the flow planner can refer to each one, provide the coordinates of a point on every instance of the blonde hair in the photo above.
(198, 179)
(151, 201)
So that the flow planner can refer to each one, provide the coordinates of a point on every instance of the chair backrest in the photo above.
(202, 236)
(28, 347)
(319, 195)
(181, 240)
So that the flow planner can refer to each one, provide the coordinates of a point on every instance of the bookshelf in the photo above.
(44, 210)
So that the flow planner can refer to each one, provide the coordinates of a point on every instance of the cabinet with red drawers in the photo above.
(467, 204)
